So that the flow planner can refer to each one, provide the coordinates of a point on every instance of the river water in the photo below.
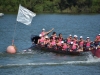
(47, 63)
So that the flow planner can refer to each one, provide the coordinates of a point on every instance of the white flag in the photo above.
(25, 16)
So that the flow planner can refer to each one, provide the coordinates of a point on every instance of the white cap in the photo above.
(46, 37)
(71, 43)
(62, 41)
(40, 35)
(81, 36)
(75, 36)
(87, 37)
(43, 29)
(70, 35)
(99, 34)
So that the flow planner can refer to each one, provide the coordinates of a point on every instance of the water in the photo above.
(47, 63)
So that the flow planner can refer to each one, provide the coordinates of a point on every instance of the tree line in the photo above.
(52, 6)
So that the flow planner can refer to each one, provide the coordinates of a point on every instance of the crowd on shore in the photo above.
(71, 43)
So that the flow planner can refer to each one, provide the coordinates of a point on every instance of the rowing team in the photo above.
(69, 44)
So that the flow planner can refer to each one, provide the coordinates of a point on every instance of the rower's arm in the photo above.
(49, 31)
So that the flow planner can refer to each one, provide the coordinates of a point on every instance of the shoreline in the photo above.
(54, 13)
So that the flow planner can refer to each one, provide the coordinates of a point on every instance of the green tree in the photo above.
(51, 5)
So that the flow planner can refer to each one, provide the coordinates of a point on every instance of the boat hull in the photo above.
(59, 51)
(96, 53)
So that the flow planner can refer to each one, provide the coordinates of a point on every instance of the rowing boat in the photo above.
(95, 52)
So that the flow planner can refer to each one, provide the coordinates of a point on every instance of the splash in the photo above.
(90, 58)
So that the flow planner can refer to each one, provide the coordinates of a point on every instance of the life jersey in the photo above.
(42, 39)
(74, 46)
(68, 40)
(47, 41)
(54, 37)
(64, 47)
(75, 41)
(59, 44)
(81, 43)
(60, 39)
(53, 43)
(88, 44)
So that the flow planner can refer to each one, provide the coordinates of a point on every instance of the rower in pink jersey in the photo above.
(51, 43)
(58, 43)
(54, 36)
(98, 39)
(64, 46)
(74, 46)
(60, 37)
(41, 40)
(81, 43)
(75, 39)
(47, 40)
(69, 39)
(88, 43)
(43, 32)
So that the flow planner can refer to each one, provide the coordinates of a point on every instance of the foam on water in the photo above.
(90, 60)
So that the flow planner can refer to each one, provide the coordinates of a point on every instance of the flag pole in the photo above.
(14, 33)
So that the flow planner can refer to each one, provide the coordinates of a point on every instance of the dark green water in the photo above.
(45, 63)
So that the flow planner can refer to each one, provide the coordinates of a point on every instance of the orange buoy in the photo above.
(11, 49)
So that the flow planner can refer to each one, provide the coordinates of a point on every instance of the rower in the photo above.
(81, 42)
(60, 37)
(64, 46)
(97, 40)
(52, 43)
(75, 39)
(58, 43)
(88, 43)
(43, 32)
(41, 40)
(47, 40)
(69, 39)
(34, 38)
(73, 46)
(54, 36)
